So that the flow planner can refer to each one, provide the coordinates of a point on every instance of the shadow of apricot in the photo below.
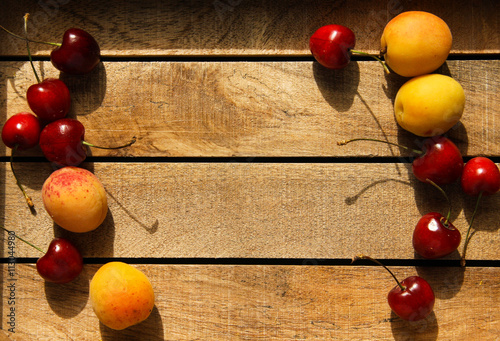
(69, 299)
(446, 282)
(394, 81)
(426, 329)
(338, 87)
(96, 243)
(87, 91)
(150, 329)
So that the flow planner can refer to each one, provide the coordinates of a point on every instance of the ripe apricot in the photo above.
(75, 199)
(121, 295)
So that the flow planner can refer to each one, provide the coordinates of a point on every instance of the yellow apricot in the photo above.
(429, 105)
(121, 295)
(75, 199)
(415, 43)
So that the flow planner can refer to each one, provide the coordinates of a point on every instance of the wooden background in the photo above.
(236, 200)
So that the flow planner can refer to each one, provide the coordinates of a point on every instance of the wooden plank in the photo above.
(237, 27)
(252, 210)
(263, 303)
(251, 109)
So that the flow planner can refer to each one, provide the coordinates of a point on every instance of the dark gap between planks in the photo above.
(275, 261)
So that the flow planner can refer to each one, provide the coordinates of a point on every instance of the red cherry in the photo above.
(331, 46)
(21, 131)
(50, 99)
(411, 299)
(439, 161)
(435, 237)
(79, 52)
(480, 175)
(62, 142)
(62, 263)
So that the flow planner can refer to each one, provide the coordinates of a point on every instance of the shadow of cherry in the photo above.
(87, 91)
(426, 329)
(69, 299)
(338, 87)
(446, 282)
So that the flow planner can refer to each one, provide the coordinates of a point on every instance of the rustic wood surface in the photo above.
(254, 210)
(236, 200)
(239, 27)
(216, 302)
(256, 108)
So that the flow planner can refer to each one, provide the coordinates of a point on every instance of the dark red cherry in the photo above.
(435, 237)
(331, 46)
(480, 175)
(61, 142)
(79, 52)
(441, 161)
(50, 99)
(413, 299)
(21, 131)
(62, 262)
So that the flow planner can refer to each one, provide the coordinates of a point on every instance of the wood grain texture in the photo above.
(236, 27)
(253, 210)
(251, 109)
(264, 303)
(165, 79)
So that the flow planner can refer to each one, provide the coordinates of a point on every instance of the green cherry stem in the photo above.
(118, 147)
(21, 239)
(358, 257)
(26, 16)
(447, 200)
(24, 38)
(28, 199)
(469, 235)
(344, 142)
(377, 58)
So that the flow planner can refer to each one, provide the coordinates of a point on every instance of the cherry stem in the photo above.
(28, 199)
(469, 234)
(27, 242)
(358, 257)
(30, 40)
(344, 142)
(374, 57)
(26, 16)
(119, 147)
(447, 200)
